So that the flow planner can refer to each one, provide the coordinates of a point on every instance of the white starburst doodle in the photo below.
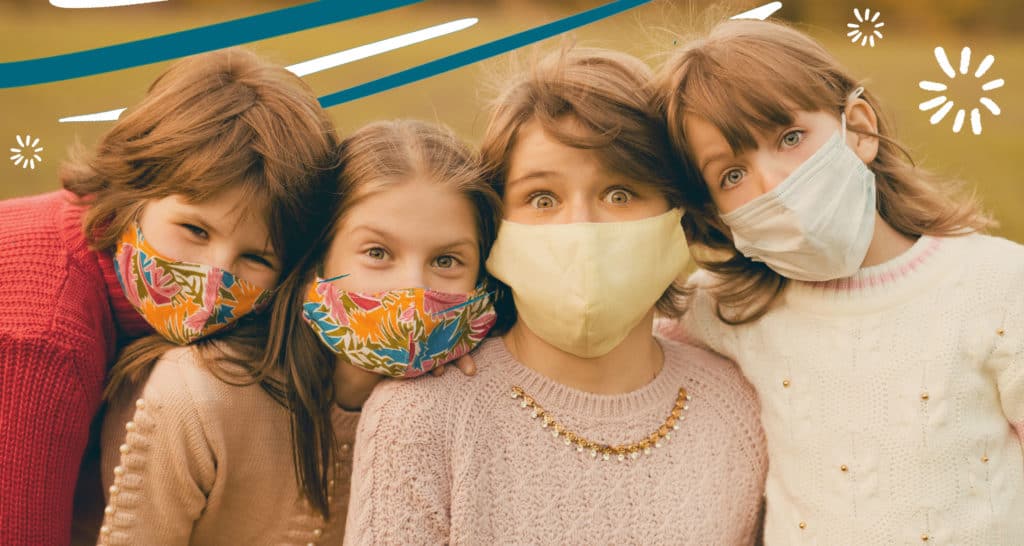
(945, 104)
(26, 155)
(865, 30)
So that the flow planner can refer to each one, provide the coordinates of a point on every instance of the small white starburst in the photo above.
(26, 155)
(865, 30)
(945, 105)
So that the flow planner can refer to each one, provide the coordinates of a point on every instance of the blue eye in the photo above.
(196, 231)
(792, 138)
(731, 178)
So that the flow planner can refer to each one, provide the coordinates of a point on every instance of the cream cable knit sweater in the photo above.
(893, 401)
(457, 460)
(192, 460)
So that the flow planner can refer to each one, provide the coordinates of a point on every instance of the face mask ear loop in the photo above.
(855, 94)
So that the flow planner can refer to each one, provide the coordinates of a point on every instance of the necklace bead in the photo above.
(606, 452)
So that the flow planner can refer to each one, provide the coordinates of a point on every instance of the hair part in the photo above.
(746, 77)
(609, 96)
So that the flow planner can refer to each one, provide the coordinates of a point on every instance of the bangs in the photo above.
(747, 86)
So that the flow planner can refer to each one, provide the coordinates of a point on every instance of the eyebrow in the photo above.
(461, 242)
(531, 176)
(715, 157)
(372, 230)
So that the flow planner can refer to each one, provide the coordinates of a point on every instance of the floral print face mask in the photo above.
(398, 333)
(182, 301)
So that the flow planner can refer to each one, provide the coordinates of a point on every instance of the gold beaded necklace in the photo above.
(606, 451)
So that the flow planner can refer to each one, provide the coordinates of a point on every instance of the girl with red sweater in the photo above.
(223, 151)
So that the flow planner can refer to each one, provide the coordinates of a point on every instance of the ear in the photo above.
(861, 118)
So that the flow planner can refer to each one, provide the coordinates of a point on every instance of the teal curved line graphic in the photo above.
(478, 53)
(189, 42)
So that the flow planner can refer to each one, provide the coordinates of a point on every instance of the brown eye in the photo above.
(542, 201)
(619, 197)
(445, 262)
(377, 253)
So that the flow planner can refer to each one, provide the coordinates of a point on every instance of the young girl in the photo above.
(883, 332)
(205, 195)
(211, 457)
(580, 427)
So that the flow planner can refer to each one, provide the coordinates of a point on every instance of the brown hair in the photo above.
(609, 95)
(374, 158)
(216, 121)
(747, 76)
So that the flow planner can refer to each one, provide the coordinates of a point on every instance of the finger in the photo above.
(466, 365)
(438, 371)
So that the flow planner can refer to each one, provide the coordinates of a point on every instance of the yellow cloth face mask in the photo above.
(583, 287)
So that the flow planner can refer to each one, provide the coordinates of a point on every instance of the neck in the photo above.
(630, 365)
(886, 244)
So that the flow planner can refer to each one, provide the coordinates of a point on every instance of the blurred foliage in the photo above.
(989, 162)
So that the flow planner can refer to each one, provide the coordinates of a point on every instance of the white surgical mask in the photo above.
(818, 223)
(583, 287)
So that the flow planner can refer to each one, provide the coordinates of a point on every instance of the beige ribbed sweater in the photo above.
(189, 459)
(457, 460)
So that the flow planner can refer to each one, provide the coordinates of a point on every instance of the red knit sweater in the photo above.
(62, 317)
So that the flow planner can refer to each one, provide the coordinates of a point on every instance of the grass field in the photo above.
(989, 162)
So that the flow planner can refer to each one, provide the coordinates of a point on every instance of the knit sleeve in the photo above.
(400, 479)
(700, 324)
(46, 405)
(1008, 360)
(166, 466)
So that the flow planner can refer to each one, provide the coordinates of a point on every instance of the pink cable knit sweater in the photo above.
(457, 460)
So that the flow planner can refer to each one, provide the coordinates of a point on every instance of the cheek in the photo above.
(267, 280)
(168, 238)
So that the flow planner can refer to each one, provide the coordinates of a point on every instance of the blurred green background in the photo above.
(989, 162)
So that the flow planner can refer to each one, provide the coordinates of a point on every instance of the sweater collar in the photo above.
(128, 321)
(885, 284)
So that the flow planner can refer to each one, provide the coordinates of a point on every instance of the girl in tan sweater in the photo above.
(209, 451)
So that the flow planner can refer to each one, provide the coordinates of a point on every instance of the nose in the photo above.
(770, 173)
(413, 274)
(581, 211)
(222, 257)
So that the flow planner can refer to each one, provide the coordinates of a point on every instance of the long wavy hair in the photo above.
(214, 122)
(749, 76)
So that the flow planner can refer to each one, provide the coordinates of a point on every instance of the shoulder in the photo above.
(990, 265)
(183, 384)
(992, 252)
(48, 275)
(430, 400)
(717, 384)
(719, 378)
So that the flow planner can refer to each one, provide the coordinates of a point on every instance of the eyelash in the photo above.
(195, 231)
(782, 141)
(530, 198)
(627, 191)
(455, 261)
(260, 260)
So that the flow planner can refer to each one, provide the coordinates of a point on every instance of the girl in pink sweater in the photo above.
(580, 427)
